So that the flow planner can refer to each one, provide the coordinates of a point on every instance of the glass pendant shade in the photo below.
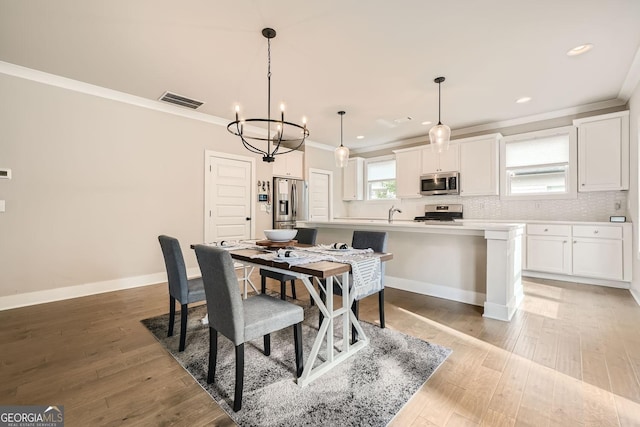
(439, 136)
(342, 156)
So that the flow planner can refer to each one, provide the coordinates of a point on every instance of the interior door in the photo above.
(228, 193)
(320, 195)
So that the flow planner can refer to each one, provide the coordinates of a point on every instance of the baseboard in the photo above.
(439, 291)
(636, 295)
(58, 294)
(576, 279)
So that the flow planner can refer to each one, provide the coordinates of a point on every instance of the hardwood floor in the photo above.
(570, 356)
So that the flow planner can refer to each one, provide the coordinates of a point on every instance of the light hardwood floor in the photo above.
(570, 357)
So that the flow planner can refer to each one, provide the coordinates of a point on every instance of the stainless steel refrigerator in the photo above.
(290, 202)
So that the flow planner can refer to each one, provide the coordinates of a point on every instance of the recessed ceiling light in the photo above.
(523, 100)
(426, 123)
(579, 50)
(360, 137)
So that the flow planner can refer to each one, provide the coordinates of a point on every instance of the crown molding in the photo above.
(502, 124)
(632, 79)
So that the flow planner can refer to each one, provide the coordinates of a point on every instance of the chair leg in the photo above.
(297, 338)
(323, 298)
(237, 398)
(283, 290)
(183, 326)
(267, 344)
(355, 307)
(172, 315)
(381, 307)
(263, 284)
(213, 355)
(293, 289)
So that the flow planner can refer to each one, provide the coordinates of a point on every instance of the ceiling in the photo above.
(374, 59)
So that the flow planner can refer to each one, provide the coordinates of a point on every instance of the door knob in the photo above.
(248, 218)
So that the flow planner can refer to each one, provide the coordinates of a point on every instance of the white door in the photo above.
(228, 196)
(320, 195)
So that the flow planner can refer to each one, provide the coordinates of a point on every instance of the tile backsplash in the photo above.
(593, 206)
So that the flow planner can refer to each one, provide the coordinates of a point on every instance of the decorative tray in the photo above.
(270, 244)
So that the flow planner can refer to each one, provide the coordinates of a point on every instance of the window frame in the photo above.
(572, 172)
(366, 177)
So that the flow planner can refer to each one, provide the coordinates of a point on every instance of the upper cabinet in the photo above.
(479, 165)
(447, 161)
(289, 165)
(353, 179)
(408, 170)
(603, 152)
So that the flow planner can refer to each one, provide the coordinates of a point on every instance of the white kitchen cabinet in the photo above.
(597, 252)
(289, 165)
(603, 152)
(408, 170)
(479, 165)
(447, 161)
(549, 248)
(353, 179)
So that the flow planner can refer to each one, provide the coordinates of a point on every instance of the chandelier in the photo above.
(342, 153)
(439, 134)
(287, 136)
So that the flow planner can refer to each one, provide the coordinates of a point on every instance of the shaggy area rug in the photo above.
(367, 389)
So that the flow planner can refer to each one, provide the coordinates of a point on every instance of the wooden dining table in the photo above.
(315, 365)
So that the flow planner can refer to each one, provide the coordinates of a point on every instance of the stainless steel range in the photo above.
(440, 213)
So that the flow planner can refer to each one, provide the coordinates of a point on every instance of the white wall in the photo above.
(634, 135)
(95, 181)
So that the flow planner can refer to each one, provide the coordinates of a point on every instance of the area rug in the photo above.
(367, 389)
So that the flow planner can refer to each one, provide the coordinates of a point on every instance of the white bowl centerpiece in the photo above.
(281, 235)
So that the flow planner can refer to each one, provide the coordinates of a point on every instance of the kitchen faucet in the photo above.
(392, 210)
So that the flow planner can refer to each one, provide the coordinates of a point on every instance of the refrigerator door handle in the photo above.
(293, 200)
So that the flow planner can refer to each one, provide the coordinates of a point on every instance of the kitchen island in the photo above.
(468, 261)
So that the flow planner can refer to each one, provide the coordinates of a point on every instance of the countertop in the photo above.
(455, 227)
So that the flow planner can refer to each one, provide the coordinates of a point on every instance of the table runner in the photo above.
(365, 268)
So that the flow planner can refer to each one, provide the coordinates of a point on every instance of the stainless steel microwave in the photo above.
(440, 183)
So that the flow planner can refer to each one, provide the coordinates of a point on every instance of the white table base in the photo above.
(334, 356)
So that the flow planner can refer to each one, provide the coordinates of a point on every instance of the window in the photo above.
(539, 165)
(381, 178)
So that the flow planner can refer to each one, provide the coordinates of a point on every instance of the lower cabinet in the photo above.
(549, 248)
(590, 251)
(598, 252)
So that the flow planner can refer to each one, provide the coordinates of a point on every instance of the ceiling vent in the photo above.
(180, 100)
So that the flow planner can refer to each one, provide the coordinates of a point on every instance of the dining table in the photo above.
(333, 270)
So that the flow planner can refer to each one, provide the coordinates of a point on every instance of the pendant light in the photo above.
(270, 145)
(342, 152)
(439, 134)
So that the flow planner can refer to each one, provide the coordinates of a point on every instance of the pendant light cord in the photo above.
(341, 116)
(439, 107)
(269, 94)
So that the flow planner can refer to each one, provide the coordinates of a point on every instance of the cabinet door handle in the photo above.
(582, 184)
(595, 231)
(575, 241)
(546, 229)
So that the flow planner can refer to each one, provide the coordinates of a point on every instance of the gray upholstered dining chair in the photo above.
(376, 240)
(306, 236)
(241, 320)
(184, 290)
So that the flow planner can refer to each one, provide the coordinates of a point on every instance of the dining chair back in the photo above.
(182, 289)
(305, 236)
(241, 320)
(363, 239)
